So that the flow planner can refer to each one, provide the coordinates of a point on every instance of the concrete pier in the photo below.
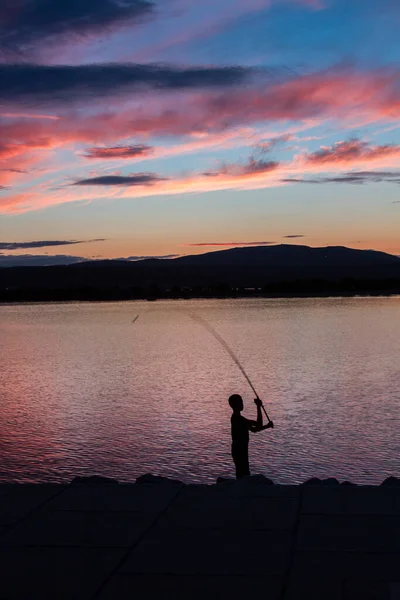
(234, 540)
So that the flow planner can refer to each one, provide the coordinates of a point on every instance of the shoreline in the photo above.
(255, 479)
(187, 298)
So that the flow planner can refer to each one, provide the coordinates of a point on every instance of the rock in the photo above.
(312, 481)
(261, 479)
(348, 483)
(225, 480)
(317, 481)
(330, 481)
(94, 480)
(255, 480)
(250, 479)
(155, 479)
(391, 482)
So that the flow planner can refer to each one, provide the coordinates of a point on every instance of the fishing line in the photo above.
(223, 343)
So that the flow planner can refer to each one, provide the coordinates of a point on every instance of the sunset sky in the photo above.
(134, 128)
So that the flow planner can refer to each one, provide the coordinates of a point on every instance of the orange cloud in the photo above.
(251, 175)
(12, 150)
(11, 115)
(17, 203)
(225, 244)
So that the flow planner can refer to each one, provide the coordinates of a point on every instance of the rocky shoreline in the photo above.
(148, 479)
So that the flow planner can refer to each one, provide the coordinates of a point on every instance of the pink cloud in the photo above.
(253, 174)
(15, 168)
(352, 151)
(211, 119)
(235, 138)
(17, 203)
(342, 94)
(11, 150)
(246, 176)
(338, 93)
(274, 142)
(28, 143)
(230, 176)
(335, 93)
(242, 171)
(116, 152)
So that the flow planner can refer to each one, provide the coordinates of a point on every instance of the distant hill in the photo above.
(289, 255)
(258, 266)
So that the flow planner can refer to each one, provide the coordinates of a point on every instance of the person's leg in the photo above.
(242, 465)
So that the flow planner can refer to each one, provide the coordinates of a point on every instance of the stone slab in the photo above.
(325, 575)
(349, 533)
(211, 552)
(228, 540)
(82, 529)
(244, 488)
(54, 573)
(367, 589)
(196, 511)
(344, 500)
(172, 587)
(312, 587)
(129, 497)
(396, 496)
(18, 501)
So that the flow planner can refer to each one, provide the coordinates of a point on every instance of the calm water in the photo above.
(84, 391)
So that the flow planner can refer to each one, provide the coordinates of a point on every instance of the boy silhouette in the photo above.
(240, 427)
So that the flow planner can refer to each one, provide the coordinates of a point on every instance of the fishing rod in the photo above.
(135, 319)
(223, 343)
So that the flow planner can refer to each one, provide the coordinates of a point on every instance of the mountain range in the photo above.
(257, 266)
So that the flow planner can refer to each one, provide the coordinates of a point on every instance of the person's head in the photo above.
(236, 402)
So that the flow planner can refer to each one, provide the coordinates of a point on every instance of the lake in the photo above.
(84, 390)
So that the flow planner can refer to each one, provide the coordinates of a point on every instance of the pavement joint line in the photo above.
(293, 548)
(135, 545)
(9, 527)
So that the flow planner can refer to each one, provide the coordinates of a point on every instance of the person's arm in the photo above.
(253, 427)
(258, 403)
(256, 426)
(269, 425)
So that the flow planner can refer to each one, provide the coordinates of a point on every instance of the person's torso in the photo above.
(240, 431)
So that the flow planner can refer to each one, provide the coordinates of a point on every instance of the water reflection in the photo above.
(85, 390)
